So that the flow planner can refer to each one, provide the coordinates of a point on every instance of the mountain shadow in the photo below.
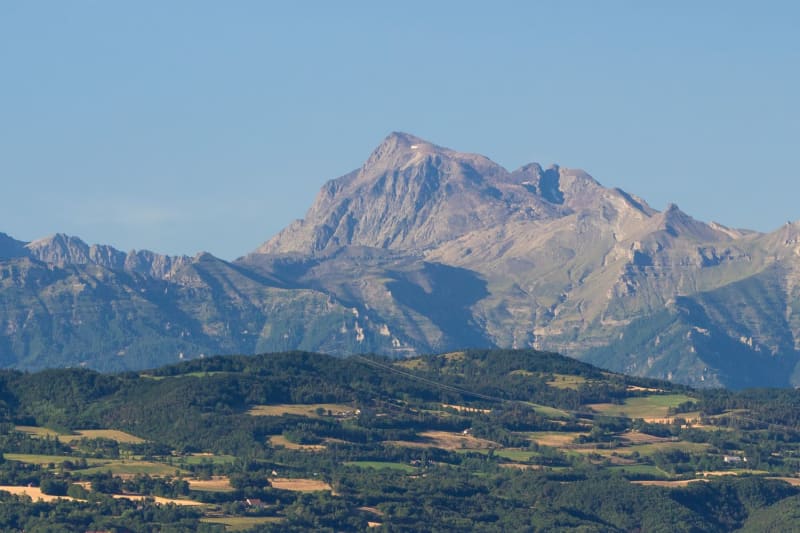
(445, 295)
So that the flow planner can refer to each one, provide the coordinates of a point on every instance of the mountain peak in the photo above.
(398, 140)
(11, 247)
(399, 150)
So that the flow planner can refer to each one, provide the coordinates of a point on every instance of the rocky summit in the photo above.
(427, 249)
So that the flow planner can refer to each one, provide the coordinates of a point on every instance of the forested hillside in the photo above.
(478, 440)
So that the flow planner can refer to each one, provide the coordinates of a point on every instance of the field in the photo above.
(466, 409)
(556, 439)
(545, 410)
(36, 431)
(37, 459)
(158, 499)
(655, 406)
(644, 450)
(299, 484)
(382, 464)
(732, 472)
(111, 434)
(412, 364)
(124, 468)
(33, 492)
(665, 483)
(648, 470)
(650, 449)
(215, 484)
(521, 466)
(562, 381)
(636, 437)
(281, 441)
(240, 523)
(447, 440)
(310, 410)
(512, 454)
(201, 458)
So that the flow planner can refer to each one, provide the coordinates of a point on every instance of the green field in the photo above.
(652, 406)
(520, 456)
(512, 454)
(382, 464)
(124, 467)
(649, 470)
(555, 439)
(650, 449)
(37, 459)
(198, 459)
(644, 450)
(545, 410)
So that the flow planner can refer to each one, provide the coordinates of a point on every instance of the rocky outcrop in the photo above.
(61, 250)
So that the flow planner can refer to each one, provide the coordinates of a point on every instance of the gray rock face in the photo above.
(413, 195)
(428, 249)
(61, 250)
(569, 265)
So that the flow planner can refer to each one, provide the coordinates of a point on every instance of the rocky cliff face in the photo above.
(568, 264)
(61, 250)
(427, 249)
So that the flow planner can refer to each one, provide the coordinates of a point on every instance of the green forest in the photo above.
(477, 440)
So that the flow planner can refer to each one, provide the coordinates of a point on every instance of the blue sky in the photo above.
(187, 126)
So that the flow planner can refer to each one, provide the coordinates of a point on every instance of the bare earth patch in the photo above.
(454, 441)
(36, 431)
(643, 389)
(447, 440)
(34, 493)
(299, 485)
(736, 472)
(215, 484)
(690, 418)
(310, 410)
(280, 440)
(466, 409)
(111, 434)
(677, 483)
(158, 499)
(636, 437)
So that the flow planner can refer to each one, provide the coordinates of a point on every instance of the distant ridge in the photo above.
(426, 249)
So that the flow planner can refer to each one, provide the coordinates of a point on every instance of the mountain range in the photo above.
(427, 249)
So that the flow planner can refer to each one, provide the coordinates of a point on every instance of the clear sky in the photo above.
(181, 126)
